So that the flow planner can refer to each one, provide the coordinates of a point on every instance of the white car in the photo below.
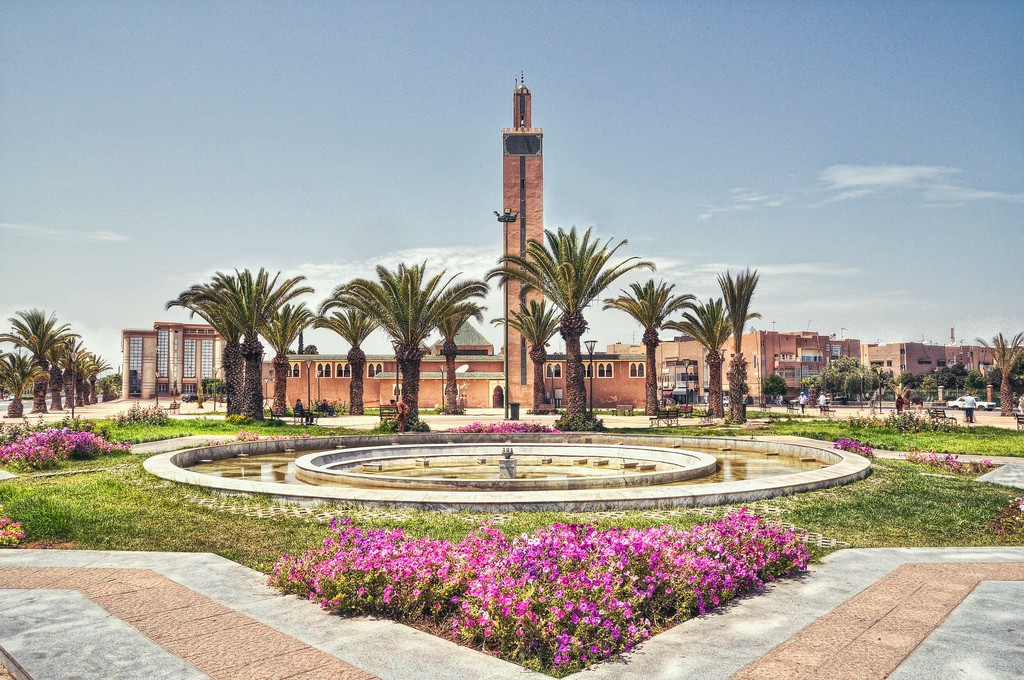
(979, 405)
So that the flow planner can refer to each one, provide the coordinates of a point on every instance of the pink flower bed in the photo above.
(854, 446)
(47, 448)
(514, 427)
(948, 462)
(558, 599)
(10, 532)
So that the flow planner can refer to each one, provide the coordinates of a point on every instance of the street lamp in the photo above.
(309, 394)
(506, 219)
(590, 350)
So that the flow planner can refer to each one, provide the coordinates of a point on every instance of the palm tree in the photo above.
(710, 326)
(650, 305)
(449, 326)
(250, 302)
(570, 272)
(55, 357)
(1005, 354)
(284, 329)
(95, 366)
(37, 334)
(737, 294)
(17, 372)
(198, 300)
(537, 323)
(72, 350)
(354, 327)
(408, 307)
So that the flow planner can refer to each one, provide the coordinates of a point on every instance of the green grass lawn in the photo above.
(136, 434)
(127, 509)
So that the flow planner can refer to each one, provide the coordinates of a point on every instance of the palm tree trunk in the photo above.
(737, 379)
(234, 376)
(1006, 396)
(80, 396)
(39, 388)
(252, 392)
(539, 357)
(281, 370)
(411, 381)
(357, 362)
(573, 327)
(714, 360)
(15, 409)
(650, 381)
(451, 391)
(56, 385)
(92, 390)
(67, 379)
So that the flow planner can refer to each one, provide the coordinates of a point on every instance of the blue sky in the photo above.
(865, 157)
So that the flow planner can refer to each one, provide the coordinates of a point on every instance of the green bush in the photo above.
(238, 419)
(390, 426)
(582, 422)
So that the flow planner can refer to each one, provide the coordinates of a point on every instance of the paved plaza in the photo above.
(897, 613)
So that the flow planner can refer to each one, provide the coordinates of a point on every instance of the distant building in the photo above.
(921, 359)
(169, 359)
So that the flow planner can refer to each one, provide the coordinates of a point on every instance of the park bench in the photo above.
(173, 407)
(939, 414)
(792, 407)
(303, 416)
(667, 416)
(1020, 420)
(826, 411)
(703, 416)
(624, 409)
(388, 412)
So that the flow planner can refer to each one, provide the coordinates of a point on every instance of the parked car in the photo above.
(979, 405)
(188, 397)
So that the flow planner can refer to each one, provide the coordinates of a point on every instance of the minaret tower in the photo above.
(523, 193)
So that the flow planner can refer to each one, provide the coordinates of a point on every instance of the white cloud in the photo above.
(933, 183)
(36, 231)
(741, 200)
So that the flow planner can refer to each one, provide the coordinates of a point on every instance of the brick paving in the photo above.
(870, 634)
(213, 638)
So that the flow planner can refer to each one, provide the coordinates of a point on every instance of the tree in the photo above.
(68, 361)
(286, 326)
(110, 386)
(847, 376)
(354, 327)
(650, 305)
(449, 325)
(56, 374)
(774, 385)
(537, 323)
(709, 325)
(1005, 353)
(200, 300)
(976, 382)
(571, 272)
(951, 377)
(737, 294)
(17, 372)
(408, 307)
(37, 334)
(93, 367)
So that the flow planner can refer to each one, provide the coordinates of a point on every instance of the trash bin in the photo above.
(513, 410)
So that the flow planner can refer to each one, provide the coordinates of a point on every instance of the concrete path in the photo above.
(899, 613)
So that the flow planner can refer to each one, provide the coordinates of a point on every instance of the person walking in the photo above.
(803, 401)
(969, 403)
(822, 401)
(900, 404)
(1020, 405)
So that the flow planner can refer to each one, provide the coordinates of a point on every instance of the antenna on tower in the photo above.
(522, 78)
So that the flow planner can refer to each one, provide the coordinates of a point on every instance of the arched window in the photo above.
(551, 372)
(295, 371)
(344, 370)
(632, 370)
(607, 370)
(370, 370)
(590, 371)
(639, 370)
(319, 370)
(600, 370)
(558, 370)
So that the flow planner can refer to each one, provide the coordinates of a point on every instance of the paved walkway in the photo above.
(898, 613)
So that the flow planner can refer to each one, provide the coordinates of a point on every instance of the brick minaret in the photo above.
(523, 192)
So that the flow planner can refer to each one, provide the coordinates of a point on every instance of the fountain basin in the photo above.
(836, 467)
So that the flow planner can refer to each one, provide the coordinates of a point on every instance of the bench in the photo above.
(388, 412)
(792, 407)
(939, 414)
(301, 416)
(704, 416)
(173, 407)
(624, 409)
(826, 411)
(1020, 420)
(668, 416)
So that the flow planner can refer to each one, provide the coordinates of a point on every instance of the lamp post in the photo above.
(506, 218)
(590, 350)
(398, 370)
(444, 404)
(309, 395)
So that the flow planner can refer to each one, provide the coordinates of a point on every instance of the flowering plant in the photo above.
(559, 599)
(854, 446)
(948, 461)
(1011, 521)
(44, 449)
(505, 427)
(10, 532)
(141, 415)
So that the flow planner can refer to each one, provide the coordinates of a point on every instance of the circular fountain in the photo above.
(502, 473)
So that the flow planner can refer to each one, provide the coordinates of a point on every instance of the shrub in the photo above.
(560, 599)
(141, 415)
(12, 432)
(10, 532)
(908, 422)
(238, 419)
(854, 446)
(1010, 521)
(390, 426)
(505, 427)
(948, 462)
(45, 449)
(581, 422)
